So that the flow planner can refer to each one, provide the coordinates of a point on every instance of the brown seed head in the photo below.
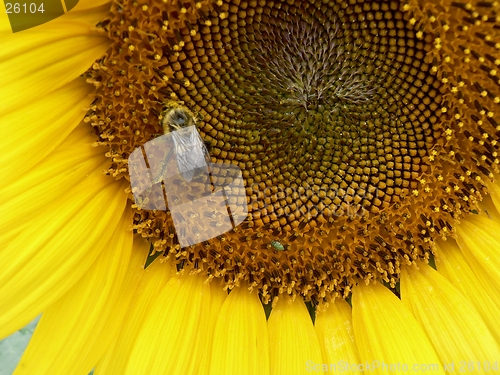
(363, 130)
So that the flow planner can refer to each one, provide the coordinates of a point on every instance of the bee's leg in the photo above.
(208, 145)
(158, 177)
(198, 116)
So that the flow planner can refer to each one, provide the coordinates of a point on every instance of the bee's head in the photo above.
(177, 118)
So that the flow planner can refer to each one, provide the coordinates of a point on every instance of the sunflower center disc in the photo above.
(336, 114)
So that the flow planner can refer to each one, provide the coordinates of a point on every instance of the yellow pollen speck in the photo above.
(157, 57)
(131, 28)
(183, 10)
(415, 192)
(144, 7)
(448, 131)
(131, 47)
(413, 21)
(223, 15)
(427, 189)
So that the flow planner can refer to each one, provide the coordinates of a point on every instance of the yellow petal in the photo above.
(77, 329)
(484, 295)
(61, 171)
(169, 341)
(293, 344)
(147, 284)
(35, 130)
(388, 337)
(493, 200)
(217, 298)
(90, 12)
(336, 337)
(479, 238)
(447, 317)
(56, 248)
(240, 343)
(37, 63)
(90, 4)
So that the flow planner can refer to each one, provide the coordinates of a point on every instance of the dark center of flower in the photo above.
(360, 129)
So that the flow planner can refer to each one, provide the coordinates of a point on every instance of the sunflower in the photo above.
(367, 136)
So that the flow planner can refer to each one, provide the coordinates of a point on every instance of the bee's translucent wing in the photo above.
(192, 155)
